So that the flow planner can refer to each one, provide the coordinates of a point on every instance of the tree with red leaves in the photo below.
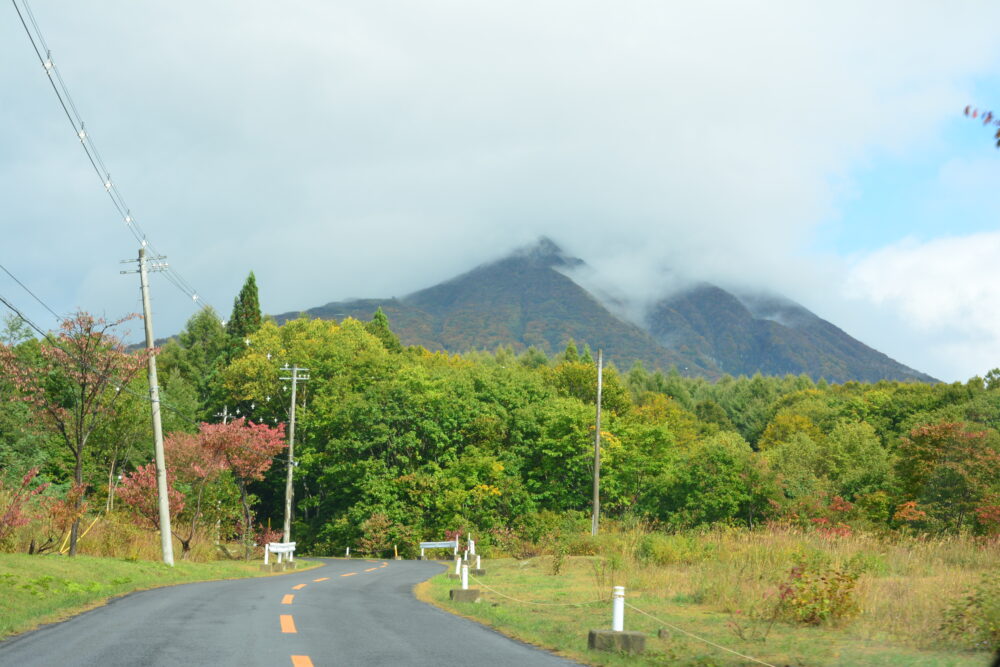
(15, 514)
(74, 384)
(195, 465)
(248, 450)
(987, 117)
(950, 471)
(138, 489)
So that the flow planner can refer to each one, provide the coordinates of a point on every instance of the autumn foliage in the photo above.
(73, 385)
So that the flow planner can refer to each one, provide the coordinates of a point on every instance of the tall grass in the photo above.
(111, 535)
(903, 588)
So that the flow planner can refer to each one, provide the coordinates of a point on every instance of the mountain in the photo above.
(740, 335)
(521, 300)
(526, 299)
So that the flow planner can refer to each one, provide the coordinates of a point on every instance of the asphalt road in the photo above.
(350, 613)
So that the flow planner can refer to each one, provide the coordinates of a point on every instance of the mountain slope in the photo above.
(741, 335)
(521, 300)
(525, 299)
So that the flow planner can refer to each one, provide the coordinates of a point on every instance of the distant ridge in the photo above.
(524, 299)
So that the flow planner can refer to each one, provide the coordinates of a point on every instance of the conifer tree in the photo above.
(246, 318)
(588, 356)
(571, 355)
(379, 327)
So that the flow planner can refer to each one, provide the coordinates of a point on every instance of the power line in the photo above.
(55, 343)
(69, 107)
(35, 296)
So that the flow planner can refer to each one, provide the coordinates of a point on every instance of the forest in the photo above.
(396, 444)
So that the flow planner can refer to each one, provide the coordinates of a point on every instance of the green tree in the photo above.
(73, 387)
(570, 354)
(948, 470)
(379, 327)
(198, 354)
(245, 318)
(719, 480)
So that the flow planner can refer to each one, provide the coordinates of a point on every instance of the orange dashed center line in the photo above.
(371, 569)
(299, 587)
(288, 624)
(301, 661)
(287, 599)
(349, 574)
(384, 565)
(321, 579)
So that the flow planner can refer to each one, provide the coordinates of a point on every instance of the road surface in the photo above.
(348, 612)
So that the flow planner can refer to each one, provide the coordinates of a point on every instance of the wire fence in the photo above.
(659, 620)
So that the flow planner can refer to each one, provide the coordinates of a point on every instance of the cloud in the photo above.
(371, 148)
(946, 288)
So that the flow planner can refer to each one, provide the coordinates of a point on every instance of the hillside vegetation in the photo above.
(395, 444)
(531, 299)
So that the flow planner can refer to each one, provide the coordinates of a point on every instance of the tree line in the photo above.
(397, 443)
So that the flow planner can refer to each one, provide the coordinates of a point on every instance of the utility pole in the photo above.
(295, 378)
(595, 520)
(166, 541)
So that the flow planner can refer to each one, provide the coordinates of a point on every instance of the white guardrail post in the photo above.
(465, 577)
(279, 549)
(618, 608)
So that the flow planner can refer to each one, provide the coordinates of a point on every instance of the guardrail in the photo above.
(450, 544)
(279, 549)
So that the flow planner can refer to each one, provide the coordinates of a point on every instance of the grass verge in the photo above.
(44, 589)
(517, 584)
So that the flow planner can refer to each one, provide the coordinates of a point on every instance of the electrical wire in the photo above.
(69, 107)
(35, 296)
(48, 336)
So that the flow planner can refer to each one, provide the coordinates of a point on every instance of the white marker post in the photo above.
(465, 577)
(478, 565)
(347, 552)
(458, 564)
(618, 608)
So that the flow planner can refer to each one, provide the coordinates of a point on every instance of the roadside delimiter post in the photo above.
(618, 609)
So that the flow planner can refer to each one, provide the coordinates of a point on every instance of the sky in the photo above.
(370, 148)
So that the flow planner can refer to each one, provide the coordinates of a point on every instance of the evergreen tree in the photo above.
(533, 358)
(571, 355)
(379, 327)
(246, 318)
(198, 354)
(588, 356)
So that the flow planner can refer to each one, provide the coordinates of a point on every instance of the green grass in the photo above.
(43, 589)
(563, 629)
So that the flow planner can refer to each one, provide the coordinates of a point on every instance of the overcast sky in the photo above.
(372, 148)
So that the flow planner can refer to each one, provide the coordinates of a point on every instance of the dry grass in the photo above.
(903, 589)
(727, 582)
(113, 535)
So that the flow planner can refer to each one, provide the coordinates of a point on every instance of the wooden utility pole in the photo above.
(595, 520)
(289, 490)
(166, 541)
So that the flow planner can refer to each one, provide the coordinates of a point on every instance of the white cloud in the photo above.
(370, 148)
(947, 288)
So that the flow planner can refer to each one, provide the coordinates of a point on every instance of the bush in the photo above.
(974, 619)
(660, 549)
(815, 596)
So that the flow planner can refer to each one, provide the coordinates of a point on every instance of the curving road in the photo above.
(349, 613)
